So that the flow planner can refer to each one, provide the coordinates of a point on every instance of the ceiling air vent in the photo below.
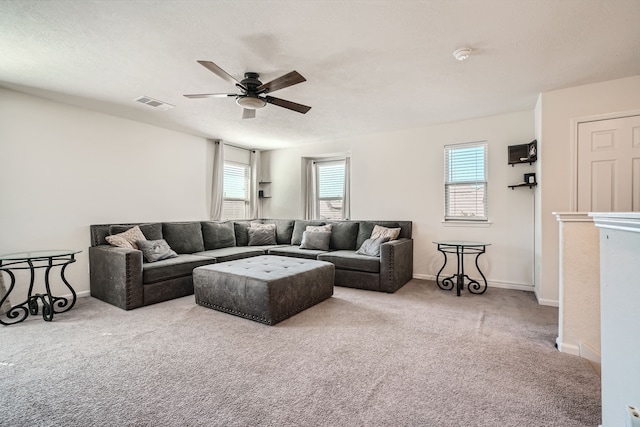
(154, 103)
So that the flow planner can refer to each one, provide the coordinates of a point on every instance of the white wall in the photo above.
(399, 175)
(63, 168)
(558, 114)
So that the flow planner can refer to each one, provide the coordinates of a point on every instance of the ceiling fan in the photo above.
(254, 93)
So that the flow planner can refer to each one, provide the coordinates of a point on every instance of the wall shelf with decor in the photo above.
(522, 184)
(263, 190)
(523, 153)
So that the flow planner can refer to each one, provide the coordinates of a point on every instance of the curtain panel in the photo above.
(217, 187)
(254, 201)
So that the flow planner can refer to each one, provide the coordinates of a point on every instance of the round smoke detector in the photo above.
(462, 53)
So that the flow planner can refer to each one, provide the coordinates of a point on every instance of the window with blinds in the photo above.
(330, 177)
(465, 181)
(236, 190)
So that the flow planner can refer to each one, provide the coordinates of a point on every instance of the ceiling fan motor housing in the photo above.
(251, 99)
(251, 82)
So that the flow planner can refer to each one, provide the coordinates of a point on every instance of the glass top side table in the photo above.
(461, 248)
(32, 261)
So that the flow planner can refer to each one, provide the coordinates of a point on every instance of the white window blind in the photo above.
(465, 181)
(330, 189)
(236, 190)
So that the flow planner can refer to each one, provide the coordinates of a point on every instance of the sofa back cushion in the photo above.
(344, 235)
(299, 227)
(241, 229)
(184, 237)
(284, 229)
(218, 235)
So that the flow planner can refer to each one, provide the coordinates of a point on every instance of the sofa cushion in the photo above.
(218, 234)
(349, 260)
(284, 230)
(318, 240)
(371, 247)
(152, 231)
(295, 251)
(183, 237)
(299, 227)
(241, 228)
(344, 235)
(127, 239)
(171, 268)
(366, 228)
(259, 236)
(155, 250)
(231, 253)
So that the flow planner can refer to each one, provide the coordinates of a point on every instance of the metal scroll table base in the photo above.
(31, 306)
(457, 280)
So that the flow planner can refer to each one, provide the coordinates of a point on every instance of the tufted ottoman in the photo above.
(267, 289)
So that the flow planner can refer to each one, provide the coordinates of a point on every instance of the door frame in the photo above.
(573, 147)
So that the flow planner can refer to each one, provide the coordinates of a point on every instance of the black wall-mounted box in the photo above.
(523, 153)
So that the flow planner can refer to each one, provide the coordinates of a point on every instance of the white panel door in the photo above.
(609, 165)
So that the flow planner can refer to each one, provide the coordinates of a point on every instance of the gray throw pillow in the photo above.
(371, 247)
(318, 240)
(155, 250)
(262, 236)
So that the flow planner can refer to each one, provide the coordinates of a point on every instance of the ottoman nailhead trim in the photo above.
(234, 312)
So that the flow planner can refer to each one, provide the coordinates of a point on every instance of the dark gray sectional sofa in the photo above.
(121, 277)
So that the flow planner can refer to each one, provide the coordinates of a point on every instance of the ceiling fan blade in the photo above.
(248, 113)
(210, 95)
(287, 104)
(290, 79)
(219, 72)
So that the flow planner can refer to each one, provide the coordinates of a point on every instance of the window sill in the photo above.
(471, 224)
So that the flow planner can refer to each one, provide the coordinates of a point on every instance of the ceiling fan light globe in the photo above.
(250, 102)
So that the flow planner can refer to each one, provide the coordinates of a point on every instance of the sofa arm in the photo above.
(396, 264)
(115, 276)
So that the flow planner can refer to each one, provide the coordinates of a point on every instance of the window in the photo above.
(236, 190)
(330, 189)
(465, 181)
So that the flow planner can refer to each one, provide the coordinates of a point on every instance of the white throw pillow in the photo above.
(379, 231)
(126, 239)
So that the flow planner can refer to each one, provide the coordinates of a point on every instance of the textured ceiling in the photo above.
(370, 66)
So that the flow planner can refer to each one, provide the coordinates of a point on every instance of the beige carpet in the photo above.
(419, 357)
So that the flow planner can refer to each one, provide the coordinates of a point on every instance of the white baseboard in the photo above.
(589, 353)
(567, 348)
(583, 350)
(549, 302)
(490, 283)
